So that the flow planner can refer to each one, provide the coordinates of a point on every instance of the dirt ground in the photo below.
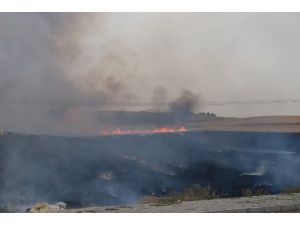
(282, 203)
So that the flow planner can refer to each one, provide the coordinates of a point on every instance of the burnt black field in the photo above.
(110, 170)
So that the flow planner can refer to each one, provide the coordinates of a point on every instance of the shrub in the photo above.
(247, 192)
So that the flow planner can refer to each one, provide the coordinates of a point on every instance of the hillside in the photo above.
(290, 124)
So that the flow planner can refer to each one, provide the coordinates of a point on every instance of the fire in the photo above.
(119, 131)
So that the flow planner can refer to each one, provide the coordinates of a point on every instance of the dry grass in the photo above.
(292, 190)
(254, 124)
(195, 192)
(247, 192)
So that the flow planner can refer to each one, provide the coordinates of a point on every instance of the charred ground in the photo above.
(85, 171)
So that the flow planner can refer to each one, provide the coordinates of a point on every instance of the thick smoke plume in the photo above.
(186, 104)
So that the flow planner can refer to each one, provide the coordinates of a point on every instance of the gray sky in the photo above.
(59, 68)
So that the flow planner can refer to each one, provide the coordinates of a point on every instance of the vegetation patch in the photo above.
(247, 192)
(198, 192)
(290, 190)
(195, 192)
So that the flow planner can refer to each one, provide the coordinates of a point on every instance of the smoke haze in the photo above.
(61, 72)
(59, 69)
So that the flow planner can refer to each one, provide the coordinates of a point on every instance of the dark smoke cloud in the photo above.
(186, 104)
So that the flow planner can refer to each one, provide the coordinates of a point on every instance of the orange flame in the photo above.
(119, 131)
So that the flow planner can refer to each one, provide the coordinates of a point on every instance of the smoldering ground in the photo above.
(114, 170)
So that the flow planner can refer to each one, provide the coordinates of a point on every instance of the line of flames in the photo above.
(119, 131)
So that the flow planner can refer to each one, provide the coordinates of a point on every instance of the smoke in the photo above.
(59, 69)
(49, 82)
(159, 99)
(31, 81)
(101, 68)
(186, 104)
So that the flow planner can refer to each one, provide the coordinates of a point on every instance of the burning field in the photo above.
(107, 108)
(159, 130)
(121, 169)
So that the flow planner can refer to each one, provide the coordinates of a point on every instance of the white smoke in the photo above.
(59, 69)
